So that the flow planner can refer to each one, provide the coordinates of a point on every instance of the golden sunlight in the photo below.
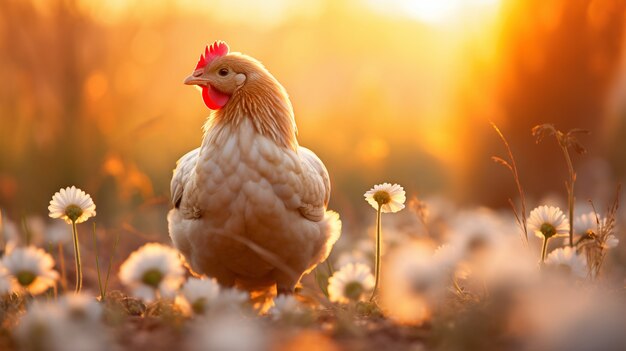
(228, 147)
(432, 11)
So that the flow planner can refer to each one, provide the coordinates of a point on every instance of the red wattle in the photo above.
(213, 99)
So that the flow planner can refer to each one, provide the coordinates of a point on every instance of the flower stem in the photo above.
(106, 280)
(62, 267)
(544, 250)
(570, 193)
(27, 233)
(79, 270)
(378, 244)
(331, 271)
(95, 247)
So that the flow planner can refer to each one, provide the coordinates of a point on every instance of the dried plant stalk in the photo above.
(520, 218)
(565, 141)
(594, 244)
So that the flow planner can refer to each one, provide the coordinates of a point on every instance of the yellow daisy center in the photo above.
(152, 278)
(547, 230)
(353, 290)
(25, 278)
(73, 212)
(382, 197)
(199, 306)
(477, 244)
(78, 313)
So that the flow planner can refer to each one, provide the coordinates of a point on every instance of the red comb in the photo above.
(217, 49)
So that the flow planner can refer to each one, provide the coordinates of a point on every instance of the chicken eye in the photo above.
(223, 72)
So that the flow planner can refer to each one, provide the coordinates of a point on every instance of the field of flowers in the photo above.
(462, 226)
(428, 276)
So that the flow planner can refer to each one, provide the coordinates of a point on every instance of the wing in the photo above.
(184, 168)
(315, 186)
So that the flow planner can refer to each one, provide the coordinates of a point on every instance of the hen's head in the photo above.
(238, 86)
(220, 74)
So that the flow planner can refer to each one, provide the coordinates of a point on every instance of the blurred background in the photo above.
(398, 91)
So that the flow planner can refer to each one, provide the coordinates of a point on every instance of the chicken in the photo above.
(250, 205)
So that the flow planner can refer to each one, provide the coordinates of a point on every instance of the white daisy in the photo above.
(586, 223)
(81, 307)
(551, 316)
(231, 300)
(72, 204)
(566, 260)
(66, 325)
(287, 308)
(391, 198)
(200, 294)
(414, 282)
(474, 232)
(351, 283)
(610, 242)
(547, 221)
(58, 233)
(40, 326)
(6, 282)
(153, 269)
(31, 268)
(227, 332)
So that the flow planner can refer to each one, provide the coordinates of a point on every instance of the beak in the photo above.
(196, 78)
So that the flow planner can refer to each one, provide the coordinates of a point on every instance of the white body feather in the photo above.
(250, 211)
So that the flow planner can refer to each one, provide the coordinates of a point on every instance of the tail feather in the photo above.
(331, 228)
